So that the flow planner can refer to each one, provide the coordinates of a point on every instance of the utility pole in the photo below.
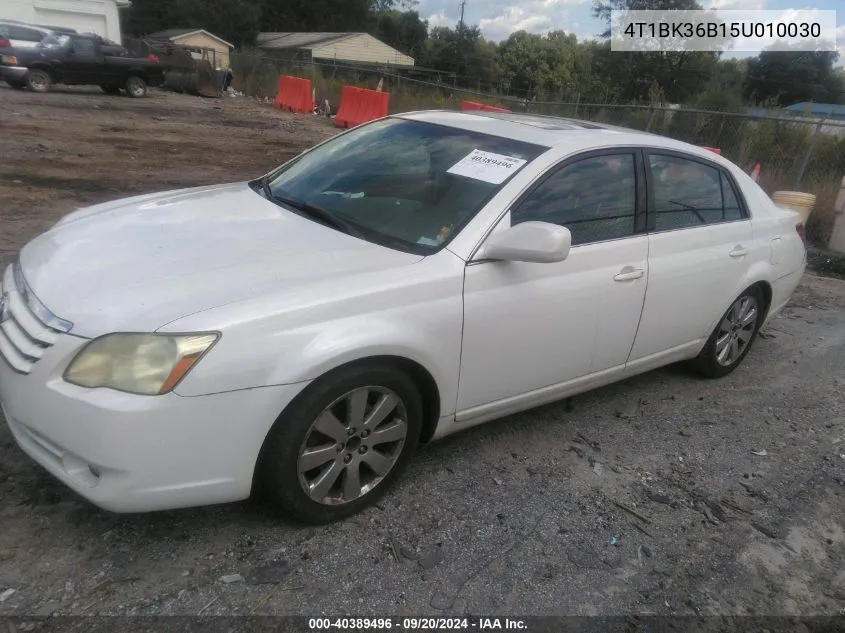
(461, 37)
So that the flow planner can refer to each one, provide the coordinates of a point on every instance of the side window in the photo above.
(595, 198)
(688, 193)
(731, 205)
(84, 47)
(24, 34)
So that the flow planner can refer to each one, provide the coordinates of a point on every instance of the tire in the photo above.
(111, 90)
(342, 444)
(38, 80)
(136, 87)
(717, 359)
(17, 85)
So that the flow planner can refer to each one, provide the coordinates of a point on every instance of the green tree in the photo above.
(538, 65)
(316, 15)
(464, 52)
(673, 76)
(236, 21)
(403, 30)
(787, 77)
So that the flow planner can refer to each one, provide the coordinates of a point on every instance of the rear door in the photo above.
(700, 239)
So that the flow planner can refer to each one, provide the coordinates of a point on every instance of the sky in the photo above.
(499, 18)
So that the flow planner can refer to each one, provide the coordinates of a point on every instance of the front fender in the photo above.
(357, 341)
(413, 312)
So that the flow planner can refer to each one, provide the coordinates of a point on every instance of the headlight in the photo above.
(145, 364)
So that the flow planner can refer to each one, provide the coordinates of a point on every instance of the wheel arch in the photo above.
(137, 72)
(422, 378)
(41, 67)
(416, 371)
(765, 288)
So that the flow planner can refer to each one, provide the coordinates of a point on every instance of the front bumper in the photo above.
(13, 74)
(128, 453)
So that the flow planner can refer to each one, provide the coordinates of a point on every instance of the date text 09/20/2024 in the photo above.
(416, 624)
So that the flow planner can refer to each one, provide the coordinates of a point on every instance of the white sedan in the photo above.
(303, 333)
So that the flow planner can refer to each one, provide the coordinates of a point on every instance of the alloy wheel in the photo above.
(352, 445)
(736, 330)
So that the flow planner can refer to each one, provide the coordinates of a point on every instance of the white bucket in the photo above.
(802, 203)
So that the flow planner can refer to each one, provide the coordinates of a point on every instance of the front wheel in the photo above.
(38, 80)
(339, 446)
(732, 339)
(136, 87)
(111, 90)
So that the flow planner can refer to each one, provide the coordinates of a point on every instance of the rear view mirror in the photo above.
(537, 242)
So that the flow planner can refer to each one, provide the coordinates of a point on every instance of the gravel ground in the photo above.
(663, 494)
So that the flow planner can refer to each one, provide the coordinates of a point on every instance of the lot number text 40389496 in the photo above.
(417, 624)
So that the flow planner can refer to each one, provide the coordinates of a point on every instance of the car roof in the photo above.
(26, 25)
(551, 131)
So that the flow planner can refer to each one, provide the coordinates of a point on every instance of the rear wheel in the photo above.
(111, 90)
(338, 447)
(136, 87)
(733, 336)
(38, 80)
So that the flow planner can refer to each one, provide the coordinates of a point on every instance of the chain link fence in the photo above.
(794, 152)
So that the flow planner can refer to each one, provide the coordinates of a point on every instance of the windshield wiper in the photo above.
(313, 211)
(326, 217)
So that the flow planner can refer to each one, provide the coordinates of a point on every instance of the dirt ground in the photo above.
(664, 494)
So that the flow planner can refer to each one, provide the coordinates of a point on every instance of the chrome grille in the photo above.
(23, 335)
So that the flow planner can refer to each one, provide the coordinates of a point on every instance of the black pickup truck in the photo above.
(79, 60)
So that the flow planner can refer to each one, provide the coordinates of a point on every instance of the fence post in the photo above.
(650, 120)
(256, 67)
(800, 175)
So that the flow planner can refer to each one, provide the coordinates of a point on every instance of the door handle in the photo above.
(628, 274)
(739, 251)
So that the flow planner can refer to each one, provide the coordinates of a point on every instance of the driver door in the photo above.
(82, 64)
(534, 330)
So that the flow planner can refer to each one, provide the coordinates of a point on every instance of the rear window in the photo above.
(25, 34)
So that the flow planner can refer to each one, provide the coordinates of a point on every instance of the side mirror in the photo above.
(537, 242)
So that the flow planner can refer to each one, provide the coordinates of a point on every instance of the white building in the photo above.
(86, 16)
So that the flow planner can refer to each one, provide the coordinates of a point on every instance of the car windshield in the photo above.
(404, 184)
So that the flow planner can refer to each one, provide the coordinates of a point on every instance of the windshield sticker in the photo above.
(487, 166)
(426, 241)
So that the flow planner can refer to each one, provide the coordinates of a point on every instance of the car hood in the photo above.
(140, 263)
